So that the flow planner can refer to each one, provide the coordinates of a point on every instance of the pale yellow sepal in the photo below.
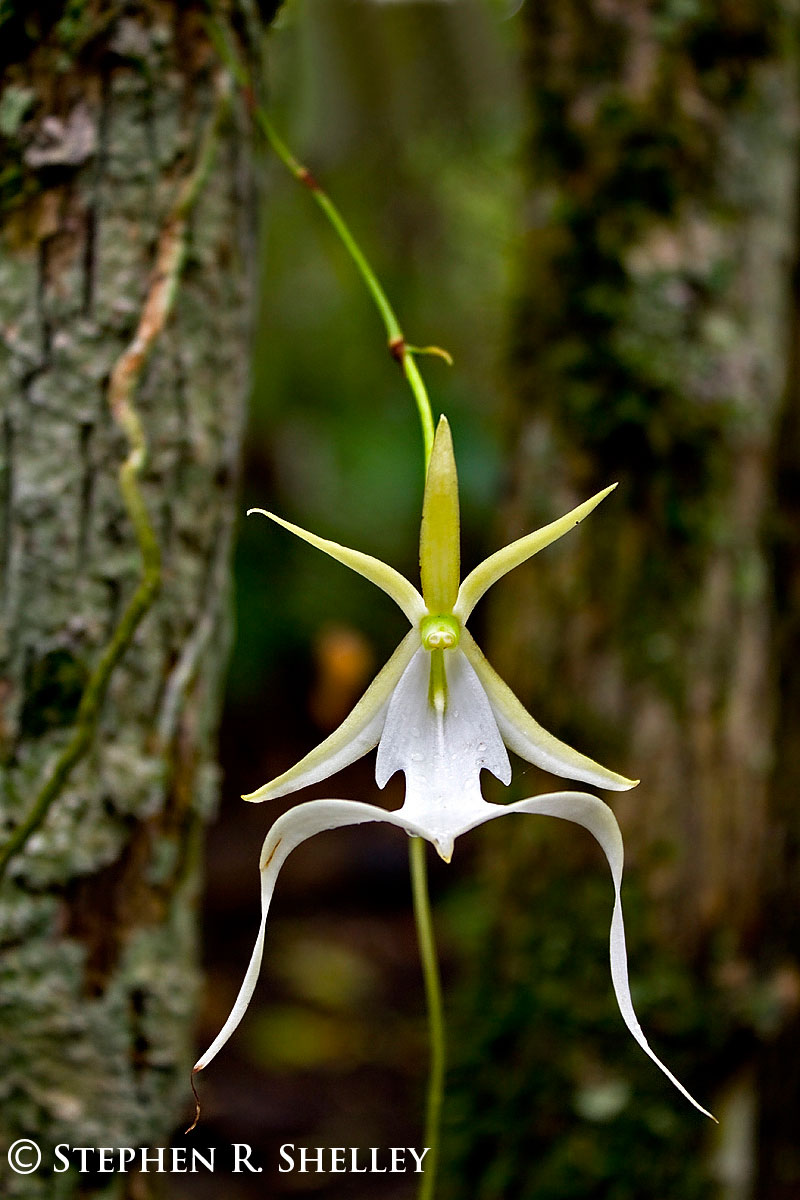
(439, 535)
(526, 737)
(358, 734)
(502, 561)
(404, 594)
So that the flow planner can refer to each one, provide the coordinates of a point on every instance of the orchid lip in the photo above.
(444, 849)
(316, 816)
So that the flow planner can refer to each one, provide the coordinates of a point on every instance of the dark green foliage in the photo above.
(53, 691)
(71, 24)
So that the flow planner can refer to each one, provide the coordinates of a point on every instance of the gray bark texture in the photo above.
(104, 113)
(653, 347)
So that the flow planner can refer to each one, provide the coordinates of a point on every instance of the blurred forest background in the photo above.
(594, 207)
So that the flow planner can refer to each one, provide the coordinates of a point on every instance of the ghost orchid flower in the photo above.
(420, 675)
(440, 713)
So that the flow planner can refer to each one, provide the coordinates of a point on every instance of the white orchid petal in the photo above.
(441, 753)
(357, 735)
(404, 594)
(526, 737)
(478, 582)
(294, 827)
(593, 814)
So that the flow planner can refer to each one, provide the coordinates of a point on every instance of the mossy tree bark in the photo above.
(652, 347)
(106, 112)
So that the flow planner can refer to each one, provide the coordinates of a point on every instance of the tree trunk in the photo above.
(115, 221)
(652, 348)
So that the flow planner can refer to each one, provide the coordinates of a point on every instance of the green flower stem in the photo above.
(436, 1026)
(397, 342)
(398, 347)
(419, 874)
(405, 356)
(417, 385)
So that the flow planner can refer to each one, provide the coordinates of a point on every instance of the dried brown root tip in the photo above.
(196, 1102)
(397, 349)
(305, 176)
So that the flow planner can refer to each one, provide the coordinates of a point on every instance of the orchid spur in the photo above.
(439, 712)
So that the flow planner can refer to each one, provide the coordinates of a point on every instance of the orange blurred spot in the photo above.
(344, 662)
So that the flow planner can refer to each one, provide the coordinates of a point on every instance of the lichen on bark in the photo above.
(97, 927)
